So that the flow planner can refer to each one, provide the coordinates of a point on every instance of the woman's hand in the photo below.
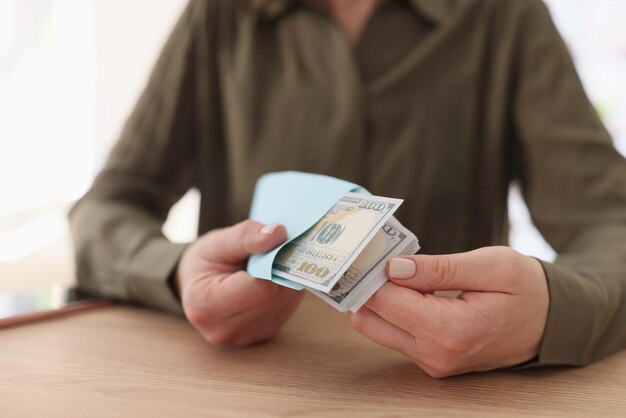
(225, 304)
(497, 321)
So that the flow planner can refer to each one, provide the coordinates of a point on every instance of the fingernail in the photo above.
(269, 229)
(401, 268)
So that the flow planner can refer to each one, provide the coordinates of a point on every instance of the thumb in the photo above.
(486, 269)
(236, 243)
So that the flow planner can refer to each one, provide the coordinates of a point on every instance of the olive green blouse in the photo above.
(442, 103)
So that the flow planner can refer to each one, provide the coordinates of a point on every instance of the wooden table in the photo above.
(130, 362)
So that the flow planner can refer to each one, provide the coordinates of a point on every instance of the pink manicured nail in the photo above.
(269, 229)
(401, 268)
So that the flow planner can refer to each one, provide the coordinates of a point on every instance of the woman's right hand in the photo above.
(222, 301)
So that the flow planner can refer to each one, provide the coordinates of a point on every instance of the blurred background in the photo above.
(71, 70)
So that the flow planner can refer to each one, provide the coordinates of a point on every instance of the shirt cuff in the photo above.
(570, 323)
(150, 270)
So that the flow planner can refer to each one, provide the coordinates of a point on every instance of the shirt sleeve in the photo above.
(574, 182)
(116, 227)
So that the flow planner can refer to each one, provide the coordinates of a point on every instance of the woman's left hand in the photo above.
(497, 321)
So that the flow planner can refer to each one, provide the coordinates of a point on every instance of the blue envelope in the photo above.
(298, 201)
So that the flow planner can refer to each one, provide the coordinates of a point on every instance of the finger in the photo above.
(388, 335)
(237, 329)
(491, 269)
(254, 324)
(264, 308)
(264, 323)
(420, 315)
(234, 244)
(230, 294)
(381, 331)
(235, 306)
(246, 292)
(245, 327)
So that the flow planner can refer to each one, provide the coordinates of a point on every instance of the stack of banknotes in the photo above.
(342, 258)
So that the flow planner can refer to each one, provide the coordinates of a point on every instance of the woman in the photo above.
(441, 103)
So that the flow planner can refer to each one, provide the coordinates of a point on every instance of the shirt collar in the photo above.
(432, 10)
(273, 9)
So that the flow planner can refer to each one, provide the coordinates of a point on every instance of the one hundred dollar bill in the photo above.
(367, 272)
(361, 295)
(318, 258)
